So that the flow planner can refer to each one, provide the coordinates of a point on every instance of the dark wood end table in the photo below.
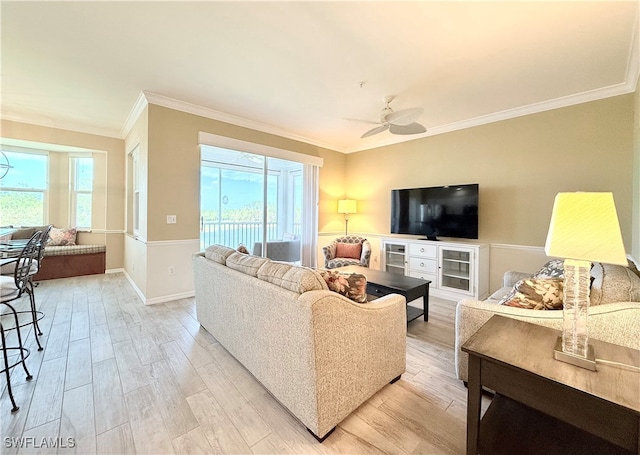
(568, 407)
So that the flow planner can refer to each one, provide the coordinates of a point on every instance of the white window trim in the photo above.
(259, 149)
(74, 192)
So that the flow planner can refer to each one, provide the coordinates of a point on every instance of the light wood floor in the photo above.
(120, 377)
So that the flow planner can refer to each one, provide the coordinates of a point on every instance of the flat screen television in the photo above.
(446, 211)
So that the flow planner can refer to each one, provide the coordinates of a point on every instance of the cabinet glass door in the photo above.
(455, 270)
(394, 256)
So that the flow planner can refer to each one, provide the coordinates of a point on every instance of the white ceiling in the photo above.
(295, 68)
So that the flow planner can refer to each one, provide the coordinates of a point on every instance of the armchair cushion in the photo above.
(349, 250)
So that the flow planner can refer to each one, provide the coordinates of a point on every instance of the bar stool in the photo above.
(13, 288)
(34, 250)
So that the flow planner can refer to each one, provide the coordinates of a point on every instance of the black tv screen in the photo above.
(447, 211)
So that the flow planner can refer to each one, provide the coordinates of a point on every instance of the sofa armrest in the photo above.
(512, 277)
(359, 348)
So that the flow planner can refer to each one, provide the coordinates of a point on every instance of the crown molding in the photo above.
(633, 60)
(134, 113)
(189, 108)
(593, 95)
(62, 125)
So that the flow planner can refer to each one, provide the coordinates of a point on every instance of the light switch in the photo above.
(171, 219)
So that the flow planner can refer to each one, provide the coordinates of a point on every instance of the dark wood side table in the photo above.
(381, 283)
(567, 407)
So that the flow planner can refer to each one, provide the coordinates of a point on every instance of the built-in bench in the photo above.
(71, 260)
(67, 260)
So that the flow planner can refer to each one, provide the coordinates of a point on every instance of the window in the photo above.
(81, 190)
(23, 191)
(289, 194)
(233, 194)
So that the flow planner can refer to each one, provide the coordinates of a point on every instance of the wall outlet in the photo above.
(171, 219)
(172, 270)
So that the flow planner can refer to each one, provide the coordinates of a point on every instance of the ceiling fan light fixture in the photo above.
(397, 122)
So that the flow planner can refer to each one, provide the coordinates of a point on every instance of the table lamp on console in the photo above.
(584, 228)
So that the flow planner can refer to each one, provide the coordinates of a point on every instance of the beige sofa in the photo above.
(318, 353)
(616, 318)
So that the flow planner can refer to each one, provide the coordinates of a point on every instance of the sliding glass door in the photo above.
(251, 200)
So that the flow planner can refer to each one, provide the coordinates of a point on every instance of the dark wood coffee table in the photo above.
(543, 405)
(382, 283)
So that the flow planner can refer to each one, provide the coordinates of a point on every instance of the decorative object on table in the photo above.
(349, 250)
(346, 207)
(584, 228)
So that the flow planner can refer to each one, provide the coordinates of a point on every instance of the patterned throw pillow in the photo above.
(351, 285)
(349, 250)
(536, 294)
(552, 269)
(62, 237)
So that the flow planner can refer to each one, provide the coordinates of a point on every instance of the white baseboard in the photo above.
(170, 298)
(120, 270)
(135, 287)
(155, 300)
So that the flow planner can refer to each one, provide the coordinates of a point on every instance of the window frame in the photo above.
(74, 191)
(44, 191)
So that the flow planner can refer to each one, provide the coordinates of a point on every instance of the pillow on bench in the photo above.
(62, 237)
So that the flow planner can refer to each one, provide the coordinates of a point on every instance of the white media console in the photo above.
(456, 269)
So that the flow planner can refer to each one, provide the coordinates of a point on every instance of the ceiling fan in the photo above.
(397, 122)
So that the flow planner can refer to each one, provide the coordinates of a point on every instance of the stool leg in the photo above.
(6, 371)
(34, 317)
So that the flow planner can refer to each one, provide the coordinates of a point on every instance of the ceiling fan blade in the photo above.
(376, 130)
(404, 117)
(362, 121)
(412, 128)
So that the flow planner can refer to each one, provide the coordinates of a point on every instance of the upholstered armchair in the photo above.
(348, 250)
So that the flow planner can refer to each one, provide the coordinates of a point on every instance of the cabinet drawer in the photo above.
(425, 251)
(425, 276)
(423, 265)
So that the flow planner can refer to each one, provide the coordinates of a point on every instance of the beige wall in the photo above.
(635, 250)
(519, 163)
(109, 216)
(170, 163)
(174, 167)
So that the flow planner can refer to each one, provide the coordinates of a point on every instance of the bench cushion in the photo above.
(68, 250)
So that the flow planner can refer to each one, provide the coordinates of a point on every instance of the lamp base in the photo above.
(588, 362)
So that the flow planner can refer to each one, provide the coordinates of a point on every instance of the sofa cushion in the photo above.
(62, 237)
(273, 272)
(351, 285)
(294, 278)
(245, 263)
(218, 253)
(536, 294)
(614, 283)
(348, 250)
